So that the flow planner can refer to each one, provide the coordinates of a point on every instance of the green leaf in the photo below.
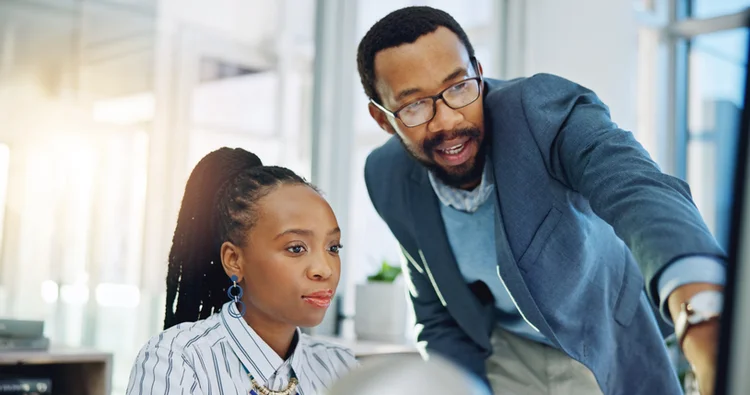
(387, 273)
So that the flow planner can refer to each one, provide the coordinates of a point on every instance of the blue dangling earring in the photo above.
(237, 298)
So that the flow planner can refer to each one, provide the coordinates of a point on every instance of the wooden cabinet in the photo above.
(73, 371)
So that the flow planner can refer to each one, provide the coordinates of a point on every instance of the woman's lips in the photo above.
(323, 293)
(320, 298)
(318, 302)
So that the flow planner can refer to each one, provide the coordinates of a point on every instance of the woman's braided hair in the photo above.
(219, 205)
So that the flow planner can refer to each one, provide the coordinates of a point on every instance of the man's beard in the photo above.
(458, 176)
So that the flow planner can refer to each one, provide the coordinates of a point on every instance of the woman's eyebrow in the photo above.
(301, 232)
(306, 232)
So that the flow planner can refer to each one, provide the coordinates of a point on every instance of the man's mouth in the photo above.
(454, 150)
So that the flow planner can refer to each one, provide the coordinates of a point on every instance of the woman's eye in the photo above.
(336, 248)
(296, 249)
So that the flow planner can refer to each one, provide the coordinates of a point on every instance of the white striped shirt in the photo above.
(215, 355)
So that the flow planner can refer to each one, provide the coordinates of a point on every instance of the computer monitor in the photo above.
(732, 377)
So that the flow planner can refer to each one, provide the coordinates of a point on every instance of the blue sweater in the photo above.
(472, 239)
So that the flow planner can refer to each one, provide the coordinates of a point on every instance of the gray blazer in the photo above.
(585, 216)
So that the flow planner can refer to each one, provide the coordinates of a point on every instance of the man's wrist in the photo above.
(686, 270)
(696, 339)
(699, 305)
(683, 294)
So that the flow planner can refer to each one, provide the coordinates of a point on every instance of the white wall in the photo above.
(591, 42)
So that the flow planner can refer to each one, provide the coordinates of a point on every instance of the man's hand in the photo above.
(702, 340)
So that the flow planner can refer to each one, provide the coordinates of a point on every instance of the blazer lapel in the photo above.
(513, 190)
(440, 264)
(511, 277)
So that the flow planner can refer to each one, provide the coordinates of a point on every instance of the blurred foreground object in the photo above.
(401, 375)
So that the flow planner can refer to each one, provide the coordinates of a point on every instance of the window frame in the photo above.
(678, 31)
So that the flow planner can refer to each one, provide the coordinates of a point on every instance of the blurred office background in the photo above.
(106, 105)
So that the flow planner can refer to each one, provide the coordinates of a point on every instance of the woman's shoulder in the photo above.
(183, 339)
(340, 357)
(167, 361)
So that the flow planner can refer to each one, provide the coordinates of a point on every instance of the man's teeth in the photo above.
(453, 150)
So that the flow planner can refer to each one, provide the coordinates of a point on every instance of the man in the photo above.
(524, 214)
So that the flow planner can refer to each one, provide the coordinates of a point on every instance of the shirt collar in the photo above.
(254, 354)
(468, 201)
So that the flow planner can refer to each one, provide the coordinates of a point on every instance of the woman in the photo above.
(255, 256)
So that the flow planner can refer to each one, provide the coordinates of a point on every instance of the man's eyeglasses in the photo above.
(423, 110)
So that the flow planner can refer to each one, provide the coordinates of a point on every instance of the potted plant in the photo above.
(381, 306)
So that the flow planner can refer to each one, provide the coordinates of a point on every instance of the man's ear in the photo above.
(380, 117)
(231, 260)
(479, 68)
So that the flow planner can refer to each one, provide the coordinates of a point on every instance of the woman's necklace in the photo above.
(259, 389)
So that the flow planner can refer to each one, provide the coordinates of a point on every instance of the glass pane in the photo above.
(476, 16)
(233, 97)
(647, 98)
(716, 85)
(204, 141)
(371, 240)
(643, 5)
(4, 173)
(712, 8)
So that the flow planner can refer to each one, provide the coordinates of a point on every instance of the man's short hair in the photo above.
(403, 26)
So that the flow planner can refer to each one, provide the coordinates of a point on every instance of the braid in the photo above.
(218, 206)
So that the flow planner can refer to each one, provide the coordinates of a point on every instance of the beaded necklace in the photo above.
(258, 389)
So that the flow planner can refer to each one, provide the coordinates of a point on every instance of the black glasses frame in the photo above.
(435, 98)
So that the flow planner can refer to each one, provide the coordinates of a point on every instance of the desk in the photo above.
(73, 371)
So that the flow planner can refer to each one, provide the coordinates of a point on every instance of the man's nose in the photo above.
(445, 118)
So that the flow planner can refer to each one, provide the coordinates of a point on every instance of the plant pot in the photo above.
(381, 312)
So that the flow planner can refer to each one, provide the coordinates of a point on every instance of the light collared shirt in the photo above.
(215, 356)
(466, 201)
(686, 270)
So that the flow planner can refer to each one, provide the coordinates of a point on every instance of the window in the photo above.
(716, 81)
(105, 115)
(691, 62)
(714, 8)
(691, 82)
(4, 173)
